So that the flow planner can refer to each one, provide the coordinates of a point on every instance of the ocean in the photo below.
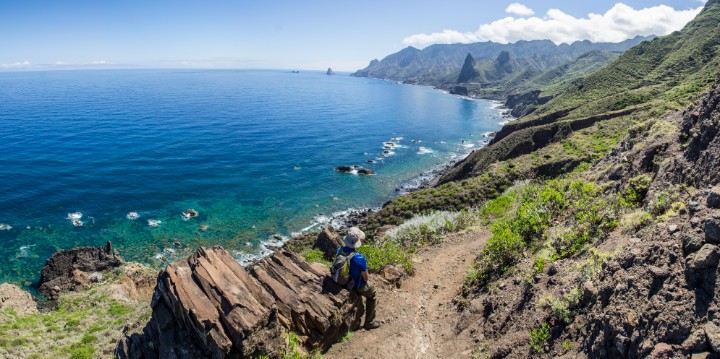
(91, 156)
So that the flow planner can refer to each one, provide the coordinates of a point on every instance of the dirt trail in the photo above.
(419, 318)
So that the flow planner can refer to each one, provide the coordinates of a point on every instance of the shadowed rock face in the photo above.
(208, 306)
(70, 270)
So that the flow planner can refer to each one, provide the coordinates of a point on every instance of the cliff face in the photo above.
(208, 306)
(71, 270)
(468, 72)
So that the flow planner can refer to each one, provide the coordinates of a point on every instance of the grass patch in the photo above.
(83, 325)
(295, 350)
(315, 256)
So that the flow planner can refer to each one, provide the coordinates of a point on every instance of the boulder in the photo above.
(70, 270)
(712, 332)
(208, 306)
(328, 242)
(712, 230)
(713, 197)
(662, 350)
(380, 232)
(707, 257)
(366, 171)
(12, 297)
(345, 169)
(691, 243)
(136, 282)
(394, 275)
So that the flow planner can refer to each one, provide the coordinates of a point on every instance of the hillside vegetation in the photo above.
(603, 207)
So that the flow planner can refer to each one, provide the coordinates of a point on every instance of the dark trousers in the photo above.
(370, 301)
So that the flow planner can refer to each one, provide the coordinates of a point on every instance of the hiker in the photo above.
(359, 274)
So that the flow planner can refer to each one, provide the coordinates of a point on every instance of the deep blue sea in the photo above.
(253, 152)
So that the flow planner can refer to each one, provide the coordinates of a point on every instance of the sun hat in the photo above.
(354, 237)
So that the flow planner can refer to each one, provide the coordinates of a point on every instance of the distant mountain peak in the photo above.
(468, 71)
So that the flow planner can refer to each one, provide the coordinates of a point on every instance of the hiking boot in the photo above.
(372, 325)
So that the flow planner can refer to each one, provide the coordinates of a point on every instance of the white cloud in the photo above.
(619, 23)
(17, 65)
(519, 9)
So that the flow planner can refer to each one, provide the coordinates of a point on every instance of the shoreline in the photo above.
(343, 219)
(339, 219)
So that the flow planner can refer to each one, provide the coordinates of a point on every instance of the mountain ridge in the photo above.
(435, 61)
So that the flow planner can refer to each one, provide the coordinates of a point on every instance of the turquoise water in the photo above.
(252, 151)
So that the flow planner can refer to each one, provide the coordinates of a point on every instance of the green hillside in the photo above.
(664, 73)
(588, 117)
(647, 81)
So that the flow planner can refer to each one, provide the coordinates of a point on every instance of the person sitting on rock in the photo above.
(359, 275)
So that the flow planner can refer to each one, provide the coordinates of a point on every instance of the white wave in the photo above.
(397, 139)
(5, 227)
(24, 251)
(496, 104)
(468, 145)
(488, 134)
(74, 215)
(388, 153)
(425, 150)
(189, 213)
(132, 216)
(154, 222)
(77, 223)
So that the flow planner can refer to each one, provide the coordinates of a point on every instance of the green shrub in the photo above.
(539, 337)
(637, 189)
(88, 339)
(539, 265)
(81, 352)
(430, 228)
(660, 203)
(315, 256)
(497, 207)
(540, 208)
(346, 337)
(295, 350)
(388, 253)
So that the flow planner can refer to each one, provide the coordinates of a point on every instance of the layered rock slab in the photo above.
(208, 306)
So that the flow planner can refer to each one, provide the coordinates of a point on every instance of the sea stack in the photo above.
(330, 71)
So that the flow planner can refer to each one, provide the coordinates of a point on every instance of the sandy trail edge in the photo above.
(419, 318)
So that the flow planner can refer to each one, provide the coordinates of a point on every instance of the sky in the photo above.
(294, 34)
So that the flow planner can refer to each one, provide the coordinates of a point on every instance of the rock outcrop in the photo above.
(468, 71)
(13, 297)
(328, 242)
(73, 269)
(208, 306)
